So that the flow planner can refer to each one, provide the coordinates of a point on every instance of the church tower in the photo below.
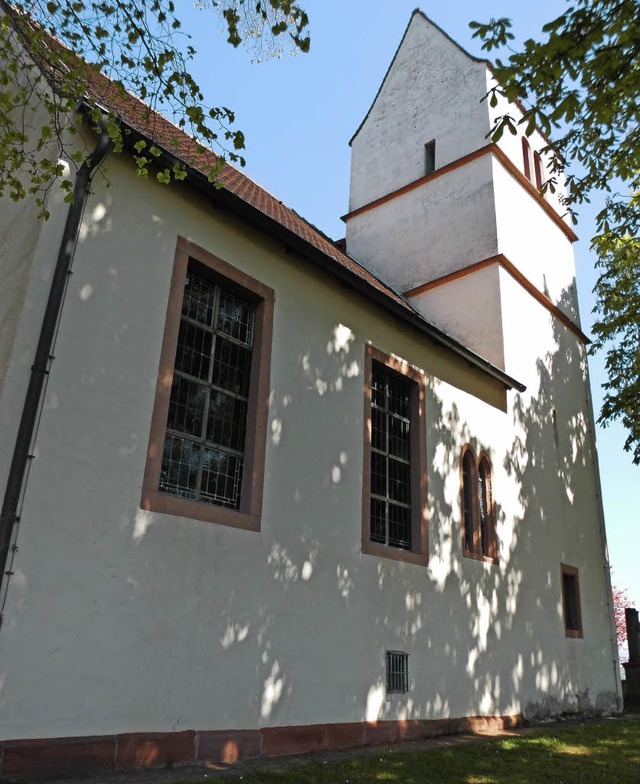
(453, 221)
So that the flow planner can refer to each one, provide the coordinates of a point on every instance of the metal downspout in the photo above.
(40, 367)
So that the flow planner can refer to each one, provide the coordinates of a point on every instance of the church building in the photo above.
(278, 493)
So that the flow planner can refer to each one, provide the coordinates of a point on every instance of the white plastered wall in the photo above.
(555, 441)
(511, 144)
(28, 250)
(469, 309)
(434, 90)
(431, 92)
(534, 243)
(442, 226)
(119, 620)
(26, 257)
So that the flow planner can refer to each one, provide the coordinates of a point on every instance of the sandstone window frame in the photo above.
(478, 507)
(249, 514)
(415, 380)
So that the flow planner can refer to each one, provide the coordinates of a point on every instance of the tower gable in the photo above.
(428, 70)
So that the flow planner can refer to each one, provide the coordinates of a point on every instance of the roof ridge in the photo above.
(416, 12)
(449, 38)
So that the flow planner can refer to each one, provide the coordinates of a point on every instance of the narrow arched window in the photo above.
(486, 517)
(478, 508)
(526, 158)
(537, 168)
(469, 481)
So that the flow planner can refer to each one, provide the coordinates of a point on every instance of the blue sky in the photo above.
(298, 114)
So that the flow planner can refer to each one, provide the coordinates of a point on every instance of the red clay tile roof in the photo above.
(137, 115)
(150, 124)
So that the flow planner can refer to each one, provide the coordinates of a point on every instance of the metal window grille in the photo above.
(203, 455)
(390, 458)
(397, 672)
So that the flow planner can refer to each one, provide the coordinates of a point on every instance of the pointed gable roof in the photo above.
(420, 13)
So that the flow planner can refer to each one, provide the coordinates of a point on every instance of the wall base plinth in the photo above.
(43, 758)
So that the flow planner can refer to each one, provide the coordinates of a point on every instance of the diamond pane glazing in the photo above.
(186, 407)
(226, 423)
(235, 318)
(199, 299)
(231, 367)
(378, 521)
(193, 354)
(180, 463)
(400, 526)
(221, 478)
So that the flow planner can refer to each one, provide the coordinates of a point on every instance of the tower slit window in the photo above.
(430, 157)
(571, 609)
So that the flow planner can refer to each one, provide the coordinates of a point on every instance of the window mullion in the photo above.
(477, 546)
(205, 415)
(214, 339)
(214, 387)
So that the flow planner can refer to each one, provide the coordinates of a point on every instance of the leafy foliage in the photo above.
(582, 83)
(620, 603)
(50, 51)
(248, 23)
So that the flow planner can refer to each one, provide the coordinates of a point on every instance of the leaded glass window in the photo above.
(390, 458)
(468, 474)
(203, 457)
(485, 503)
(478, 511)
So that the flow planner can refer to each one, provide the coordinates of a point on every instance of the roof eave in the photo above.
(346, 276)
(226, 198)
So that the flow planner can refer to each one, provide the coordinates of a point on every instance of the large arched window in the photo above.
(478, 508)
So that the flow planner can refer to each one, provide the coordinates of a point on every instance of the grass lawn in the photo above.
(606, 752)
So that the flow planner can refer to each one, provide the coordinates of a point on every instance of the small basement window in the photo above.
(397, 672)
